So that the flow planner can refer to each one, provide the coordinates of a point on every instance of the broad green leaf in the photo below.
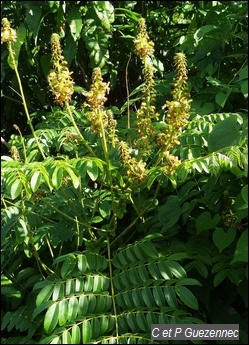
(33, 17)
(233, 276)
(74, 20)
(243, 73)
(16, 46)
(164, 270)
(244, 88)
(134, 277)
(241, 251)
(52, 339)
(57, 177)
(137, 298)
(66, 337)
(105, 12)
(83, 305)
(159, 296)
(68, 266)
(244, 193)
(51, 317)
(95, 323)
(63, 311)
(75, 179)
(221, 97)
(62, 258)
(241, 206)
(178, 256)
(35, 181)
(188, 281)
(25, 273)
(56, 340)
(73, 307)
(98, 283)
(82, 263)
(104, 324)
(88, 283)
(149, 250)
(42, 307)
(154, 271)
(138, 252)
(163, 319)
(205, 222)
(220, 276)
(143, 273)
(58, 291)
(70, 286)
(92, 303)
(197, 166)
(79, 284)
(101, 303)
(92, 170)
(131, 320)
(187, 297)
(86, 331)
(224, 134)
(170, 296)
(201, 268)
(151, 318)
(16, 188)
(202, 31)
(10, 291)
(105, 209)
(222, 239)
(76, 334)
(141, 321)
(70, 49)
(169, 213)
(176, 269)
(147, 296)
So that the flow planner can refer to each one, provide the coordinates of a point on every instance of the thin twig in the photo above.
(128, 92)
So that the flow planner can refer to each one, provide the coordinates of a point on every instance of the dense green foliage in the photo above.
(93, 251)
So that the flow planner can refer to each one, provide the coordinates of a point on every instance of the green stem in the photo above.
(112, 287)
(78, 131)
(24, 101)
(105, 150)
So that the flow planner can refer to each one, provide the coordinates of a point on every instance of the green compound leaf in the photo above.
(241, 251)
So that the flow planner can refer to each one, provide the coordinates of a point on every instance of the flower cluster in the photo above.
(7, 33)
(146, 112)
(177, 113)
(135, 169)
(143, 46)
(59, 78)
(15, 153)
(97, 95)
(98, 117)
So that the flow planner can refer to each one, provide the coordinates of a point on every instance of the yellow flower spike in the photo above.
(177, 115)
(98, 90)
(7, 33)
(59, 78)
(143, 46)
